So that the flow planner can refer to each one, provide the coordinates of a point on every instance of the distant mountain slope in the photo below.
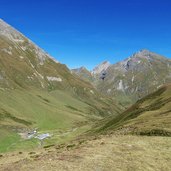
(135, 77)
(149, 116)
(39, 92)
(83, 73)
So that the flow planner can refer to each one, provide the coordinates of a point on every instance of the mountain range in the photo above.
(55, 118)
(131, 79)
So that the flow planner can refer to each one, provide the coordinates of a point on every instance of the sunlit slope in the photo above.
(38, 92)
(25, 66)
(131, 79)
(149, 116)
(23, 110)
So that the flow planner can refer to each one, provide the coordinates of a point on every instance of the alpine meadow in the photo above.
(101, 101)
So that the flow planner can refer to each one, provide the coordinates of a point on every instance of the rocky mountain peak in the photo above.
(144, 53)
(137, 59)
(101, 67)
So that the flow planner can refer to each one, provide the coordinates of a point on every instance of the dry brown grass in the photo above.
(111, 153)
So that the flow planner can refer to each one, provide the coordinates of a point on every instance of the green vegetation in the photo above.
(41, 97)
(8, 138)
(39, 93)
(55, 112)
(149, 116)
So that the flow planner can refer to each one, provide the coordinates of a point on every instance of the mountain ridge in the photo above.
(134, 77)
(14, 35)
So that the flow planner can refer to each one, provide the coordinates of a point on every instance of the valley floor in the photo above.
(105, 153)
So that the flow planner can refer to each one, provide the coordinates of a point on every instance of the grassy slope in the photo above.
(149, 116)
(58, 112)
(22, 110)
(29, 99)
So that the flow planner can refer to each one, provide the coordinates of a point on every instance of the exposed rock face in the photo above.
(101, 68)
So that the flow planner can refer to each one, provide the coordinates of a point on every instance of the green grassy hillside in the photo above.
(22, 111)
(149, 116)
(38, 92)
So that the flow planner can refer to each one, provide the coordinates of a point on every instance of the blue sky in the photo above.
(87, 32)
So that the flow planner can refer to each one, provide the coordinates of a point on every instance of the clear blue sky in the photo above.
(87, 32)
